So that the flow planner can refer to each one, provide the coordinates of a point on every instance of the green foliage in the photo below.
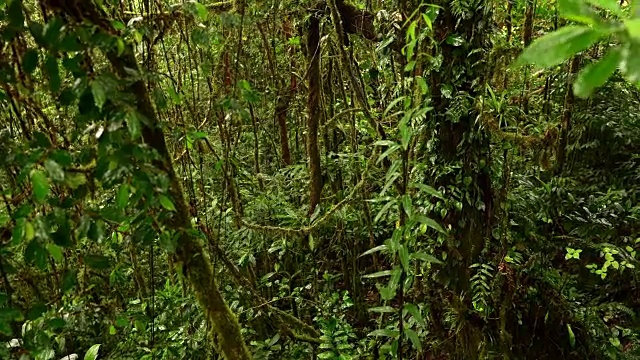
(468, 210)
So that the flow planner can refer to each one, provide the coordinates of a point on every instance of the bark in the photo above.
(189, 253)
(527, 36)
(313, 109)
(509, 19)
(567, 111)
(464, 144)
(282, 108)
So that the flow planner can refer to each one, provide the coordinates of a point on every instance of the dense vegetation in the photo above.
(322, 179)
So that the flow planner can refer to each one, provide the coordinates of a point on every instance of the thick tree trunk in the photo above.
(464, 144)
(189, 253)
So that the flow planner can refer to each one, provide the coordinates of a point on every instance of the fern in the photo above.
(480, 286)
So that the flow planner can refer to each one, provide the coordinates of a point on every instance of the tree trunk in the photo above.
(565, 125)
(464, 144)
(313, 108)
(189, 253)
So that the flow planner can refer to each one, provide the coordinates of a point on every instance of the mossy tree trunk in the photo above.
(189, 253)
(464, 145)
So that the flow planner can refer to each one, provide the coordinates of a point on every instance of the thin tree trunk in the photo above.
(567, 111)
(313, 108)
(527, 37)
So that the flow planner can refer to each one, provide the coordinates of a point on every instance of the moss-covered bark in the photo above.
(189, 253)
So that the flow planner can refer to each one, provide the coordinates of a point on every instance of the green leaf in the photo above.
(166, 202)
(577, 10)
(407, 204)
(16, 17)
(425, 257)
(40, 185)
(30, 61)
(122, 321)
(415, 340)
(415, 313)
(312, 243)
(388, 152)
(382, 309)
(385, 332)
(392, 104)
(392, 179)
(384, 210)
(572, 336)
(92, 353)
(427, 189)
(633, 28)
(36, 311)
(375, 249)
(18, 232)
(56, 252)
(629, 64)
(378, 274)
(327, 355)
(168, 242)
(123, 196)
(133, 125)
(29, 231)
(405, 132)
(36, 254)
(4, 219)
(596, 74)
(51, 68)
(56, 173)
(69, 280)
(201, 11)
(611, 5)
(558, 46)
(429, 222)
(99, 93)
(403, 254)
(97, 262)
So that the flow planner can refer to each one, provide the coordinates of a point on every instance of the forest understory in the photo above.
(319, 179)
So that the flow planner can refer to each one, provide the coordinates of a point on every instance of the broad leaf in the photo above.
(384, 332)
(427, 189)
(56, 252)
(99, 93)
(40, 184)
(611, 5)
(166, 202)
(415, 313)
(429, 222)
(558, 46)
(596, 74)
(123, 196)
(30, 61)
(577, 10)
(415, 340)
(425, 257)
(97, 262)
(92, 353)
(375, 249)
(629, 62)
(55, 170)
